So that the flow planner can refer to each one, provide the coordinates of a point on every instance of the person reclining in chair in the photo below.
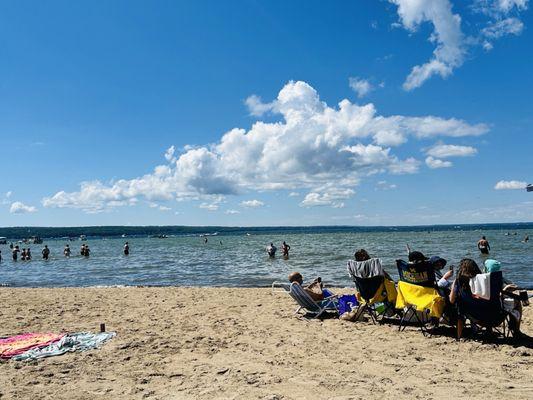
(315, 289)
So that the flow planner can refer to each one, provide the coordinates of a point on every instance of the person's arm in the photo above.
(443, 282)
(453, 294)
(488, 246)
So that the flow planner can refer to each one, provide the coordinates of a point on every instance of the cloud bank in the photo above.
(314, 147)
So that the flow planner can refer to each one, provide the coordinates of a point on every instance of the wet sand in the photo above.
(221, 343)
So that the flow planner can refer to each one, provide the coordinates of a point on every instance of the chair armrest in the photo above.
(280, 287)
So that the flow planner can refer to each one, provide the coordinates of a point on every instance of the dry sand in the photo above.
(188, 343)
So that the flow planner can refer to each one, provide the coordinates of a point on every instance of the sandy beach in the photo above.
(219, 343)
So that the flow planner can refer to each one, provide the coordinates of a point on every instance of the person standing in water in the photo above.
(66, 251)
(87, 250)
(82, 250)
(483, 245)
(285, 248)
(271, 250)
(46, 252)
(28, 254)
(15, 253)
(126, 249)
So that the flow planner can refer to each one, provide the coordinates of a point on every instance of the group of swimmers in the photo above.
(271, 250)
(25, 253)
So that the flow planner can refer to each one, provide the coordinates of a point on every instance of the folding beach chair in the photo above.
(372, 288)
(312, 308)
(486, 314)
(417, 293)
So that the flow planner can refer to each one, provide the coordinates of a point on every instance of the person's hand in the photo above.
(511, 287)
(448, 274)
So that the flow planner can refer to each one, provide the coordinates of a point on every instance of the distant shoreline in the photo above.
(178, 230)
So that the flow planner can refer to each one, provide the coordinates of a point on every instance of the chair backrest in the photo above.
(301, 297)
(488, 311)
(365, 269)
(418, 273)
(368, 287)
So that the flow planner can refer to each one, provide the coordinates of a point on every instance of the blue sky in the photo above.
(265, 113)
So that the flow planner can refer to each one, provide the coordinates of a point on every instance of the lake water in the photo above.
(241, 261)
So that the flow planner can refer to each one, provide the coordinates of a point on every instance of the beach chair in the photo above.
(312, 308)
(417, 293)
(485, 314)
(372, 288)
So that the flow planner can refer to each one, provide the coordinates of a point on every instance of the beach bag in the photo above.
(347, 303)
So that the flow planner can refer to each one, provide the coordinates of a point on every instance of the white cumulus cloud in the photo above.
(327, 196)
(311, 145)
(18, 207)
(501, 18)
(361, 86)
(449, 52)
(510, 185)
(252, 203)
(231, 212)
(435, 163)
(450, 150)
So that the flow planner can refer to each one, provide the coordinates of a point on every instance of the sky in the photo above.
(262, 113)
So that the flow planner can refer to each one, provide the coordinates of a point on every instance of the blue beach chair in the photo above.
(312, 308)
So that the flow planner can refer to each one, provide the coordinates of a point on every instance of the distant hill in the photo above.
(140, 231)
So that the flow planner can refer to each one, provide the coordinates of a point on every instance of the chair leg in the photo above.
(404, 318)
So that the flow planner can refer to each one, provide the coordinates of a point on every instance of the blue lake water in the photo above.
(241, 261)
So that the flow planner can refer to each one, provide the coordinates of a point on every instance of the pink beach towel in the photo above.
(14, 345)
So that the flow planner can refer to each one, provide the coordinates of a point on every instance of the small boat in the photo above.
(123, 235)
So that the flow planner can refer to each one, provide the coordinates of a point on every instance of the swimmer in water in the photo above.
(23, 255)
(82, 250)
(15, 253)
(285, 248)
(126, 249)
(66, 251)
(483, 245)
(205, 240)
(28, 254)
(271, 250)
(87, 251)
(526, 239)
(46, 252)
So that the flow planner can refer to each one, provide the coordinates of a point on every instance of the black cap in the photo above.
(416, 256)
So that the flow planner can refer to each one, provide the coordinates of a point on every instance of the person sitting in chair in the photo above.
(315, 289)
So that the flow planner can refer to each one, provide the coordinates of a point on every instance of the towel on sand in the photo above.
(15, 345)
(79, 341)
